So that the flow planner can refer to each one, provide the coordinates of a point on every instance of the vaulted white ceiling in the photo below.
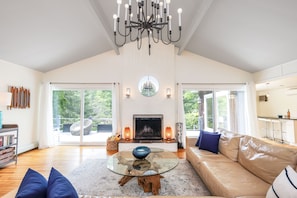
(248, 34)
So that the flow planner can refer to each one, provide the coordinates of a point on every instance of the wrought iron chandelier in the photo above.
(156, 21)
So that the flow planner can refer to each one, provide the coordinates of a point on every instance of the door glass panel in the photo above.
(198, 111)
(222, 109)
(208, 111)
(191, 108)
(66, 115)
(98, 109)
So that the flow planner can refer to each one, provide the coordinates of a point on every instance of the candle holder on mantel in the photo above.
(127, 133)
(168, 133)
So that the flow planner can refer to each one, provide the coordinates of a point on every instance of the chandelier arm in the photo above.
(144, 13)
(157, 28)
(135, 22)
(160, 24)
(139, 43)
(158, 38)
(115, 41)
(131, 39)
(124, 35)
(150, 20)
(149, 40)
(173, 41)
(163, 41)
(153, 10)
(142, 31)
(134, 26)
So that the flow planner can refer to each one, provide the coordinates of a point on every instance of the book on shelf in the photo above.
(7, 140)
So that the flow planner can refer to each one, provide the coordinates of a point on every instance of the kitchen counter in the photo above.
(276, 118)
(282, 130)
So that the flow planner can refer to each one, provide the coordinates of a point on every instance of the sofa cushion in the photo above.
(203, 155)
(196, 156)
(230, 179)
(284, 185)
(210, 142)
(229, 145)
(264, 159)
(32, 185)
(59, 186)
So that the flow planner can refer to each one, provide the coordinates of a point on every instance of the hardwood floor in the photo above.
(63, 158)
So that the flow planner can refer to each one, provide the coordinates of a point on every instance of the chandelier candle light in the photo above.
(155, 21)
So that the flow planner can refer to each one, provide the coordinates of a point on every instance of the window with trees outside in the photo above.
(214, 109)
(82, 116)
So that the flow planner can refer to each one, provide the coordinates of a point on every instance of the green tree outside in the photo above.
(67, 105)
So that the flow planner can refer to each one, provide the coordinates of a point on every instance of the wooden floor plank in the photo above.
(63, 158)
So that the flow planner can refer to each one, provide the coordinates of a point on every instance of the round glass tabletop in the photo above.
(124, 163)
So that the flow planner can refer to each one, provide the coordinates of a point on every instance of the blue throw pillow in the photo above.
(59, 186)
(210, 142)
(201, 134)
(33, 185)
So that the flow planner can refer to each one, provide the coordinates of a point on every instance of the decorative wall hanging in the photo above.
(20, 97)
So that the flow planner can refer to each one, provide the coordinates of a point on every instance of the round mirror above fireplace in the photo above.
(148, 86)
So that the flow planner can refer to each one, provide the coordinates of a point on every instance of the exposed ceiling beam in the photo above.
(99, 12)
(202, 10)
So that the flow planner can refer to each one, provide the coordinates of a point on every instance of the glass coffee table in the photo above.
(148, 171)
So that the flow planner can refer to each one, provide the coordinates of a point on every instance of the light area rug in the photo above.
(93, 178)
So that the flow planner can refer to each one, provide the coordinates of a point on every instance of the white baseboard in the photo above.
(22, 149)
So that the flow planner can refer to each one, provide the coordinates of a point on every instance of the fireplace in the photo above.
(148, 127)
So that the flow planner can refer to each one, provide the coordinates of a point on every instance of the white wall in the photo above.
(191, 68)
(15, 75)
(132, 64)
(278, 103)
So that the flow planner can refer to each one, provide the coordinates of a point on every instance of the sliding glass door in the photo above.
(82, 116)
(213, 109)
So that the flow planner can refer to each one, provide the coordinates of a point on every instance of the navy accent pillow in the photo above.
(33, 185)
(59, 186)
(201, 134)
(210, 142)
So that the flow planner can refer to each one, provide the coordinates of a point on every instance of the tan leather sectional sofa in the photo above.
(244, 167)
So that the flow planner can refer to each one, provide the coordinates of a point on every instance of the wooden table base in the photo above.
(148, 183)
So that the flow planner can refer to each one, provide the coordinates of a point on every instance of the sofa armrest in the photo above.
(191, 141)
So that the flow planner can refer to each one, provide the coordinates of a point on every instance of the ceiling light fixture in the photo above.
(155, 21)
